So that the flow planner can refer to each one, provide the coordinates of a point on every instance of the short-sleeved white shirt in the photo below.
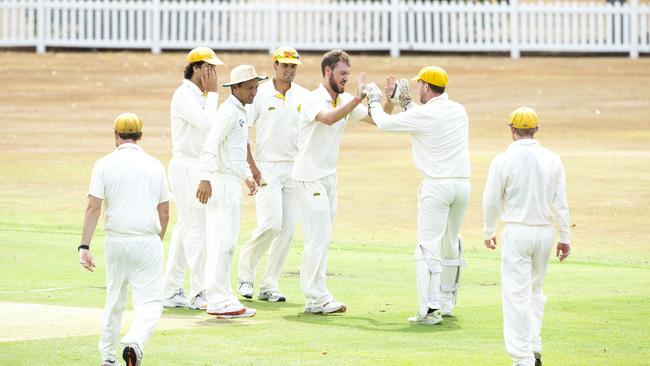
(318, 143)
(132, 184)
(275, 118)
(192, 115)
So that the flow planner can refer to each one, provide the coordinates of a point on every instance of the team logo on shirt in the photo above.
(242, 122)
(271, 108)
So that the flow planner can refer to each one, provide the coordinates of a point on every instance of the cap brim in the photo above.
(416, 78)
(287, 60)
(213, 61)
(259, 77)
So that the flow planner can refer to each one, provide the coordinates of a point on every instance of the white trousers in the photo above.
(317, 202)
(276, 210)
(524, 258)
(137, 262)
(441, 210)
(223, 219)
(187, 246)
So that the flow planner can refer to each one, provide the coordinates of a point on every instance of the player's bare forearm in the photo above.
(91, 217)
(163, 215)
(336, 114)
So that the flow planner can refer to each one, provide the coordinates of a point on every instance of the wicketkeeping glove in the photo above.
(401, 94)
(373, 92)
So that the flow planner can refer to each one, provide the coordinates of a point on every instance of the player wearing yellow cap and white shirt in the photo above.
(132, 186)
(193, 113)
(223, 169)
(274, 115)
(525, 188)
(324, 114)
(439, 134)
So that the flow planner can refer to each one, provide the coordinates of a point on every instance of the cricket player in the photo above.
(526, 188)
(324, 114)
(274, 115)
(133, 188)
(223, 169)
(439, 134)
(193, 113)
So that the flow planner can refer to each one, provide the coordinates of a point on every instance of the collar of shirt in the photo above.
(326, 95)
(523, 142)
(232, 99)
(442, 96)
(193, 87)
(129, 145)
(273, 92)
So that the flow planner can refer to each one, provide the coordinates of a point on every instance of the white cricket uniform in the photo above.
(314, 171)
(525, 187)
(275, 118)
(132, 184)
(223, 163)
(192, 115)
(439, 135)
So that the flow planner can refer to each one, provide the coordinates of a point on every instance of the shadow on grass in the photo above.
(449, 324)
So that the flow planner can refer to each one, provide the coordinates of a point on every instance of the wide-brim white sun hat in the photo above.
(243, 73)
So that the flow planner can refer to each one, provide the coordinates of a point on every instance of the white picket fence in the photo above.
(379, 25)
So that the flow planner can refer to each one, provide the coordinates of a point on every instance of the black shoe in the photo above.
(538, 359)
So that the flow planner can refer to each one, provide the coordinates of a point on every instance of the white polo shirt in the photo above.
(439, 135)
(132, 183)
(192, 115)
(318, 143)
(275, 118)
(526, 185)
(224, 151)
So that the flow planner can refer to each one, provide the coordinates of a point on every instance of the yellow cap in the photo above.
(204, 54)
(523, 117)
(128, 123)
(433, 75)
(287, 55)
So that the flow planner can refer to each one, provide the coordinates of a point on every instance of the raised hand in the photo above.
(361, 82)
(209, 79)
(390, 86)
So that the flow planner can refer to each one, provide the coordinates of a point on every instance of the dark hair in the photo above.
(436, 88)
(523, 132)
(189, 69)
(331, 58)
(135, 136)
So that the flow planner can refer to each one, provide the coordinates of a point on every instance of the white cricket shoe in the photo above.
(272, 296)
(429, 319)
(132, 355)
(232, 311)
(177, 300)
(199, 302)
(245, 289)
(328, 308)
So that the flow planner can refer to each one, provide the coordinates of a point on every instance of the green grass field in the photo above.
(598, 309)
